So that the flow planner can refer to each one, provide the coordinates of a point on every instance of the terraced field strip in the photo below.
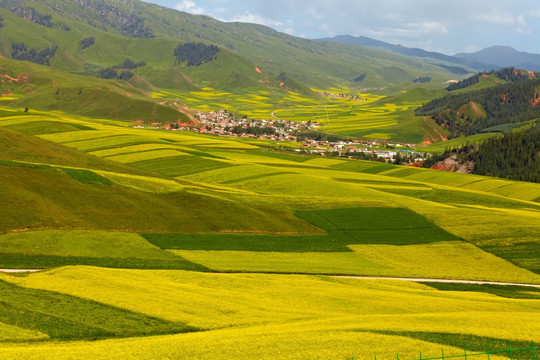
(145, 155)
(133, 149)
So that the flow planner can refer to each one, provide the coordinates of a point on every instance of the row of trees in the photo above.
(129, 64)
(122, 71)
(422, 79)
(110, 73)
(195, 53)
(302, 135)
(503, 104)
(513, 156)
(21, 52)
(256, 130)
(360, 78)
(87, 42)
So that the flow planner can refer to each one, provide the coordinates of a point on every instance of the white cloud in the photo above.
(189, 6)
(248, 17)
(523, 31)
(325, 27)
(471, 49)
(410, 31)
(499, 17)
(429, 27)
(535, 13)
(289, 31)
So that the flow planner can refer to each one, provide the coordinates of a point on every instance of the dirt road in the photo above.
(12, 271)
(449, 281)
(421, 280)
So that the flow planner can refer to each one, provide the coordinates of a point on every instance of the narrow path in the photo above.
(13, 271)
(275, 117)
(447, 281)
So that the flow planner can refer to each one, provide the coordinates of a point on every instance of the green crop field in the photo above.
(161, 244)
(296, 317)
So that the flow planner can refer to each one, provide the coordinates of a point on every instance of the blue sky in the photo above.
(445, 26)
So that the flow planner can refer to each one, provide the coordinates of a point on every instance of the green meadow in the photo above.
(162, 244)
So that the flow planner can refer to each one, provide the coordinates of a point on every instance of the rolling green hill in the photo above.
(155, 243)
(33, 86)
(141, 31)
(91, 38)
(95, 37)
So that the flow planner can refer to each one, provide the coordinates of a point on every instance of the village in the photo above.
(303, 137)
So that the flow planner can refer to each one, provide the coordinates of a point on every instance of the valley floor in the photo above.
(174, 245)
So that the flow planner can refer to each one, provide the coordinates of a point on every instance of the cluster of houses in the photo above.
(374, 149)
(343, 96)
(223, 123)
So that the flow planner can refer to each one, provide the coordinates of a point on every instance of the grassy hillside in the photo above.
(185, 176)
(271, 51)
(256, 71)
(132, 225)
(33, 86)
(491, 109)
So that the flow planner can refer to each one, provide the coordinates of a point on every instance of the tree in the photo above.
(87, 42)
(195, 53)
(21, 52)
(398, 160)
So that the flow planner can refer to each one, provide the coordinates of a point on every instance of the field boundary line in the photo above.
(510, 351)
(427, 280)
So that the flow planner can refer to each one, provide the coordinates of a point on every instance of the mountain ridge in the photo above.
(505, 56)
(490, 58)
(411, 52)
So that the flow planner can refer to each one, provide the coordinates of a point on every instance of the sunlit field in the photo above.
(360, 116)
(296, 317)
(179, 245)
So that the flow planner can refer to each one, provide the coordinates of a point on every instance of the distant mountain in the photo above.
(477, 64)
(505, 56)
